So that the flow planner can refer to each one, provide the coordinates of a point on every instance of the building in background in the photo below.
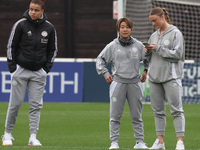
(84, 27)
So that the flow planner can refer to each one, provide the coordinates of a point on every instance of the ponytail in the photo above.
(159, 12)
(166, 15)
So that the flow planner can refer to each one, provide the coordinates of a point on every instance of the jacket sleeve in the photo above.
(175, 54)
(148, 54)
(51, 51)
(103, 59)
(144, 59)
(13, 46)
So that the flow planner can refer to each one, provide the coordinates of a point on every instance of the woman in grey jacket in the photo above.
(166, 55)
(125, 54)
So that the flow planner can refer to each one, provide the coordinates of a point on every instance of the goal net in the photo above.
(184, 14)
(137, 11)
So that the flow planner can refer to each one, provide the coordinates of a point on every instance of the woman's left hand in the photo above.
(144, 76)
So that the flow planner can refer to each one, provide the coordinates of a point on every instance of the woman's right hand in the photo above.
(109, 79)
(149, 48)
(12, 74)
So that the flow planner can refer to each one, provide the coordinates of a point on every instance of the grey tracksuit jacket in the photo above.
(167, 59)
(125, 61)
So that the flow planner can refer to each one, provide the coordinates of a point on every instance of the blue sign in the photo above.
(79, 82)
(64, 82)
(191, 83)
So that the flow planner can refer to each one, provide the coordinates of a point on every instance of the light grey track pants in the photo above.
(172, 90)
(34, 81)
(119, 93)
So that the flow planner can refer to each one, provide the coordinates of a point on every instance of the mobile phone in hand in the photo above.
(145, 44)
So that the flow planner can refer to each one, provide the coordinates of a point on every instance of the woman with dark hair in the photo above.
(31, 50)
(125, 53)
(166, 55)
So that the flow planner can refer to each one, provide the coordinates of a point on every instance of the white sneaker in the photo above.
(140, 145)
(156, 145)
(34, 142)
(180, 145)
(7, 139)
(114, 145)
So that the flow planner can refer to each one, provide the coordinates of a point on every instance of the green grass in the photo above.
(85, 126)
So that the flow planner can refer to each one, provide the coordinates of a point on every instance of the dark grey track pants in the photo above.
(34, 81)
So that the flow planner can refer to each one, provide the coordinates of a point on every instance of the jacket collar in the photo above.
(36, 22)
(125, 43)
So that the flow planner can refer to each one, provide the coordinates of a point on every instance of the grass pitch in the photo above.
(85, 126)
